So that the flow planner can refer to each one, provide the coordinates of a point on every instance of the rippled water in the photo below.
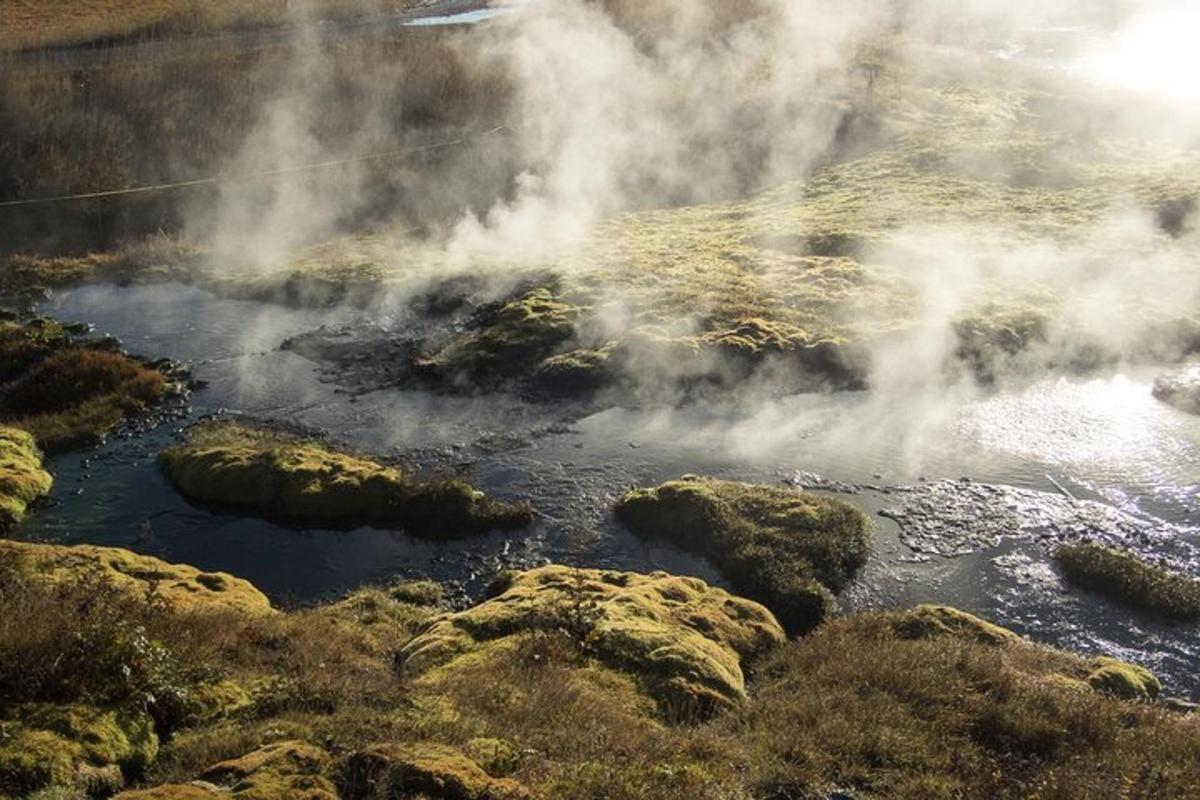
(1100, 438)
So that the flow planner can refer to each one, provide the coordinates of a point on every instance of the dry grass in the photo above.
(867, 703)
(69, 131)
(46, 23)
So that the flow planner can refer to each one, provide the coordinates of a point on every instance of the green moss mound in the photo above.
(685, 641)
(178, 586)
(70, 394)
(22, 479)
(286, 477)
(520, 335)
(73, 748)
(1124, 680)
(788, 550)
(428, 770)
(1127, 579)
(927, 621)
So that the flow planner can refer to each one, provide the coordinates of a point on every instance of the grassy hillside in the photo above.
(47, 23)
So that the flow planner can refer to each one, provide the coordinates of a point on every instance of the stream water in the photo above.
(982, 483)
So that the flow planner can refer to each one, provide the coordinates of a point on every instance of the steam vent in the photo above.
(599, 400)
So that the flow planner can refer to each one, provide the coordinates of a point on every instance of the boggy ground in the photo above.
(555, 687)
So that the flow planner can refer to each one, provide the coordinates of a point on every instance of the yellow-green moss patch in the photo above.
(788, 550)
(1125, 578)
(282, 476)
(520, 335)
(179, 586)
(22, 479)
(686, 641)
(926, 621)
(1123, 680)
(278, 771)
(422, 770)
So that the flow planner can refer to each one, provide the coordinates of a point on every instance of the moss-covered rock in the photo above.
(788, 550)
(418, 593)
(685, 641)
(278, 771)
(1180, 388)
(73, 748)
(509, 343)
(287, 770)
(104, 736)
(1123, 680)
(575, 372)
(1125, 578)
(31, 760)
(22, 479)
(179, 586)
(926, 621)
(215, 701)
(428, 770)
(283, 476)
(175, 791)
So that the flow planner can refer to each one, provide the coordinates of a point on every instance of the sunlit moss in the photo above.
(1127, 579)
(179, 586)
(684, 640)
(1124, 680)
(22, 479)
(429, 769)
(284, 476)
(791, 551)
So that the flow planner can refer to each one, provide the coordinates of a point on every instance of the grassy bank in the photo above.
(112, 687)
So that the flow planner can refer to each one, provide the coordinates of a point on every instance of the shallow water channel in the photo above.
(983, 482)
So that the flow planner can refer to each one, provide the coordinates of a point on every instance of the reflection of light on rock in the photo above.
(1094, 423)
(1156, 53)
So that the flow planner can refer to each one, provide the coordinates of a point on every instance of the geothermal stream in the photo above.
(969, 490)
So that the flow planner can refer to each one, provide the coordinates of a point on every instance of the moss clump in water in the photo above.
(521, 334)
(22, 479)
(1127, 579)
(685, 641)
(70, 394)
(788, 550)
(286, 477)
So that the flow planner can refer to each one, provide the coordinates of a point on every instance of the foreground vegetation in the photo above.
(791, 551)
(557, 687)
(1125, 578)
(284, 476)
